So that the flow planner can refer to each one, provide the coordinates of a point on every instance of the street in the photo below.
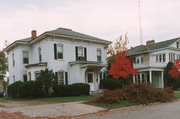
(162, 111)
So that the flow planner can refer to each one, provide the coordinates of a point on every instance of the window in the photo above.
(25, 77)
(29, 74)
(61, 78)
(178, 56)
(81, 53)
(171, 57)
(25, 57)
(139, 59)
(14, 78)
(13, 59)
(40, 56)
(99, 55)
(58, 51)
(37, 74)
(161, 58)
(177, 45)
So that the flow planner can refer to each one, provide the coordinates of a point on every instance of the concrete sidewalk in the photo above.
(56, 109)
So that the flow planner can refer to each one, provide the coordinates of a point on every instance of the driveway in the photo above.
(35, 109)
(160, 111)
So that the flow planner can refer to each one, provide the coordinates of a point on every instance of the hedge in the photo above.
(110, 84)
(13, 89)
(76, 89)
(28, 89)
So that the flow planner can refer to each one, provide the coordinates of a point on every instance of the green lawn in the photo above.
(115, 105)
(55, 99)
(177, 95)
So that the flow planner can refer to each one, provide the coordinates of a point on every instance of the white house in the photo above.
(152, 58)
(73, 56)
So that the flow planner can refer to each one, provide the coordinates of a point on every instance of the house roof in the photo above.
(147, 48)
(63, 32)
(71, 33)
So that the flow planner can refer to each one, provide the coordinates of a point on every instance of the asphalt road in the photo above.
(161, 111)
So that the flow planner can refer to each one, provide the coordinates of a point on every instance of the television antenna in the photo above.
(140, 22)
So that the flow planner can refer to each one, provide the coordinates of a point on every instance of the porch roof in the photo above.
(88, 63)
(36, 64)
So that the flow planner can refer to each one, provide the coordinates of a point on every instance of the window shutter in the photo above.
(85, 54)
(66, 78)
(55, 51)
(76, 52)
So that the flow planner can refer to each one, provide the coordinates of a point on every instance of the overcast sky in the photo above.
(105, 19)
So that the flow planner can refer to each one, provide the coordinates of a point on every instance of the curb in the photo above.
(107, 111)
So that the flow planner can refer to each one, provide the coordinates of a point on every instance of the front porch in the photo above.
(155, 77)
(86, 72)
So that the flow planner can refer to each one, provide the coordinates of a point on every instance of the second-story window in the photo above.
(177, 45)
(13, 60)
(99, 55)
(58, 51)
(81, 53)
(40, 56)
(178, 56)
(171, 57)
(161, 58)
(139, 59)
(25, 57)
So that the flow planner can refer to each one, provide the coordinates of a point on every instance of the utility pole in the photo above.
(140, 23)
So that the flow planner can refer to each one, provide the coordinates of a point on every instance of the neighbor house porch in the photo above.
(153, 76)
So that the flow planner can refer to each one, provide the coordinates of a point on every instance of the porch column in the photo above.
(140, 77)
(150, 76)
(134, 80)
(162, 79)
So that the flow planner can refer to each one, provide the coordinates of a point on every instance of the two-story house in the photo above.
(152, 58)
(74, 57)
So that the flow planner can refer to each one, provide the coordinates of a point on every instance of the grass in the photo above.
(54, 99)
(115, 105)
(177, 96)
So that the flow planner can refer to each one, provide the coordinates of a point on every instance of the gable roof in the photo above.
(63, 32)
(147, 48)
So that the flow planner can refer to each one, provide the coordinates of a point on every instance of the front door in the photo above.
(90, 80)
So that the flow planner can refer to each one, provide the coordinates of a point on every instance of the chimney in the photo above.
(33, 34)
(149, 42)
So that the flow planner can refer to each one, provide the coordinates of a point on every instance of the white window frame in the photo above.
(99, 50)
(25, 51)
(40, 54)
(79, 53)
(172, 57)
(139, 59)
(62, 48)
(61, 80)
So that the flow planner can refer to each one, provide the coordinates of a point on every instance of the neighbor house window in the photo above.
(161, 58)
(177, 45)
(171, 57)
(25, 57)
(178, 56)
(13, 59)
(80, 53)
(61, 78)
(58, 51)
(99, 55)
(40, 56)
(139, 59)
